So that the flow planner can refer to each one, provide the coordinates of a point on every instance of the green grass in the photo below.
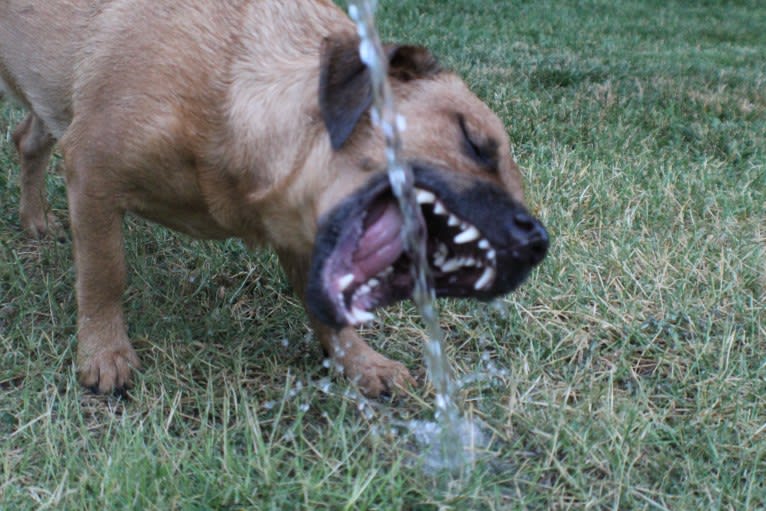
(635, 357)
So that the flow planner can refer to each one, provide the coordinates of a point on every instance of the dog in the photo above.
(251, 119)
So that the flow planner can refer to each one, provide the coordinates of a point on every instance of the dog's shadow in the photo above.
(211, 308)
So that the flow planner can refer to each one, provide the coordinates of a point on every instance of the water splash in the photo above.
(450, 441)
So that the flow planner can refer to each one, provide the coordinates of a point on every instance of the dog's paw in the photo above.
(42, 225)
(108, 371)
(375, 374)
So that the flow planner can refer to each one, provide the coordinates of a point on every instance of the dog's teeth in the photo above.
(439, 208)
(453, 221)
(440, 255)
(425, 197)
(345, 281)
(451, 265)
(467, 236)
(485, 279)
(484, 245)
(361, 316)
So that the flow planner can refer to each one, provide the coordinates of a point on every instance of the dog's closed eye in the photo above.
(483, 150)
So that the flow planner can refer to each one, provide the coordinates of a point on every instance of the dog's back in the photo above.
(39, 42)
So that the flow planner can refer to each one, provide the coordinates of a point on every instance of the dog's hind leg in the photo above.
(34, 144)
(105, 357)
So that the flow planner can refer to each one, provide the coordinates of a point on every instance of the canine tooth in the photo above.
(468, 235)
(484, 245)
(453, 221)
(361, 316)
(425, 197)
(439, 208)
(485, 279)
(345, 281)
(451, 265)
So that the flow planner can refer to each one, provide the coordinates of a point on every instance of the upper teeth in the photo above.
(468, 235)
(345, 281)
(424, 196)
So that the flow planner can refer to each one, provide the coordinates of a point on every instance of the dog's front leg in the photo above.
(104, 354)
(371, 371)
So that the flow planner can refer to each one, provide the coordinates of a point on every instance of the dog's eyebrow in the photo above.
(484, 150)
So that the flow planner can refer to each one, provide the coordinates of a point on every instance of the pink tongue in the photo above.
(380, 245)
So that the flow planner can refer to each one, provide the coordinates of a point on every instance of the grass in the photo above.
(628, 373)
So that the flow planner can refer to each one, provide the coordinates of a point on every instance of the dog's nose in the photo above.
(531, 236)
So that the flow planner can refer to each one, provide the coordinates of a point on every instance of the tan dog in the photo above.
(250, 119)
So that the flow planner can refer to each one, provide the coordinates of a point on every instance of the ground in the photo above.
(628, 373)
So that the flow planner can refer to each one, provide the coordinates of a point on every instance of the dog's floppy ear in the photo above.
(408, 62)
(345, 92)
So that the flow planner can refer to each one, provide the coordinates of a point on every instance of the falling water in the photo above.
(450, 442)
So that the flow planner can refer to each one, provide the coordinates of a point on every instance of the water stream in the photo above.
(450, 443)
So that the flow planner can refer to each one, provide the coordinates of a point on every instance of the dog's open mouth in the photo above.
(480, 244)
(462, 263)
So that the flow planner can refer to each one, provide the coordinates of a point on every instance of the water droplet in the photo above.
(325, 385)
(367, 51)
(401, 122)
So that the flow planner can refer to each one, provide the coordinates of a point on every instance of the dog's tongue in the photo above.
(381, 244)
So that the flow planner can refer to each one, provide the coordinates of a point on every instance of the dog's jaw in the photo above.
(481, 244)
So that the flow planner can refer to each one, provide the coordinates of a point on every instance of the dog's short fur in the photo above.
(250, 119)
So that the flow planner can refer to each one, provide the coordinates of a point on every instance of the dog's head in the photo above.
(482, 242)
